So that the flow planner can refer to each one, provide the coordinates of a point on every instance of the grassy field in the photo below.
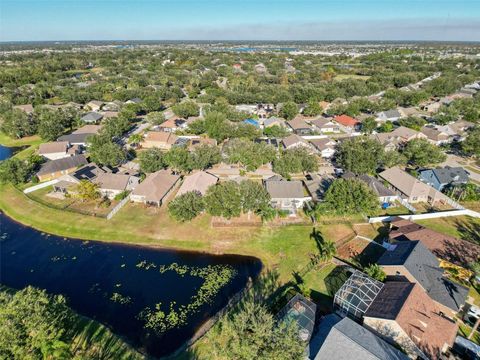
(351, 77)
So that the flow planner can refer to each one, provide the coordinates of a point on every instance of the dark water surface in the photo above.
(89, 272)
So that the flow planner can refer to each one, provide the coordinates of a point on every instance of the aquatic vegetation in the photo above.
(119, 298)
(214, 276)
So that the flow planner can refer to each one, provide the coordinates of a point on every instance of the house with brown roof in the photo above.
(456, 251)
(94, 105)
(27, 108)
(325, 125)
(403, 314)
(398, 137)
(299, 126)
(159, 139)
(293, 141)
(198, 182)
(110, 185)
(156, 188)
(435, 136)
(325, 147)
(197, 141)
(173, 124)
(410, 188)
(54, 150)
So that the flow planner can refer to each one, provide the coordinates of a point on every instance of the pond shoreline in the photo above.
(70, 267)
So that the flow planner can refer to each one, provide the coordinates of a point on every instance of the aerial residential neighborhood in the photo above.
(238, 200)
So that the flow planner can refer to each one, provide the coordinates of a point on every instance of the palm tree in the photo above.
(327, 250)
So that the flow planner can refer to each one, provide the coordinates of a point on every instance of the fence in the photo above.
(118, 207)
(435, 215)
(407, 205)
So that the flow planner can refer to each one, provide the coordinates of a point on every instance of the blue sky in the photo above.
(240, 20)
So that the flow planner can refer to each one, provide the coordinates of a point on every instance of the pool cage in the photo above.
(301, 310)
(356, 295)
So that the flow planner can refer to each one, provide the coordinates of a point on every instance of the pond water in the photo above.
(5, 152)
(114, 283)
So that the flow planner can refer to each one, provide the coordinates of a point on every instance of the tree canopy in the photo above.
(359, 155)
(186, 206)
(420, 152)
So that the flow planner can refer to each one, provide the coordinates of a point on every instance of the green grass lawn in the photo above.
(465, 330)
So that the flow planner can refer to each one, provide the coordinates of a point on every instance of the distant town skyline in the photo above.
(440, 20)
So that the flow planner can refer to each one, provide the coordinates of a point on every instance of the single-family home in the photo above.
(325, 105)
(398, 137)
(347, 123)
(197, 141)
(159, 139)
(413, 261)
(94, 105)
(325, 147)
(439, 178)
(198, 182)
(300, 126)
(287, 195)
(54, 169)
(434, 135)
(155, 189)
(273, 121)
(173, 124)
(91, 117)
(403, 314)
(325, 125)
(389, 115)
(109, 114)
(112, 106)
(294, 140)
(432, 107)
(56, 150)
(134, 101)
(317, 186)
(344, 339)
(110, 185)
(410, 111)
(410, 188)
(460, 128)
(448, 248)
(384, 194)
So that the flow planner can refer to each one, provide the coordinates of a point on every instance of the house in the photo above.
(398, 137)
(54, 150)
(92, 117)
(325, 105)
(273, 121)
(134, 101)
(389, 115)
(293, 141)
(410, 188)
(112, 106)
(300, 126)
(432, 107)
(109, 114)
(384, 194)
(80, 136)
(27, 108)
(88, 129)
(110, 185)
(317, 186)
(156, 188)
(448, 248)
(197, 141)
(410, 111)
(173, 124)
(435, 136)
(413, 261)
(325, 125)
(343, 339)
(198, 182)
(347, 123)
(460, 127)
(441, 177)
(159, 139)
(286, 195)
(326, 147)
(94, 105)
(53, 169)
(403, 314)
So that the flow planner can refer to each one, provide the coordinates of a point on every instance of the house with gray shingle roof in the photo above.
(92, 117)
(287, 195)
(412, 260)
(54, 169)
(344, 339)
(389, 115)
(441, 177)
